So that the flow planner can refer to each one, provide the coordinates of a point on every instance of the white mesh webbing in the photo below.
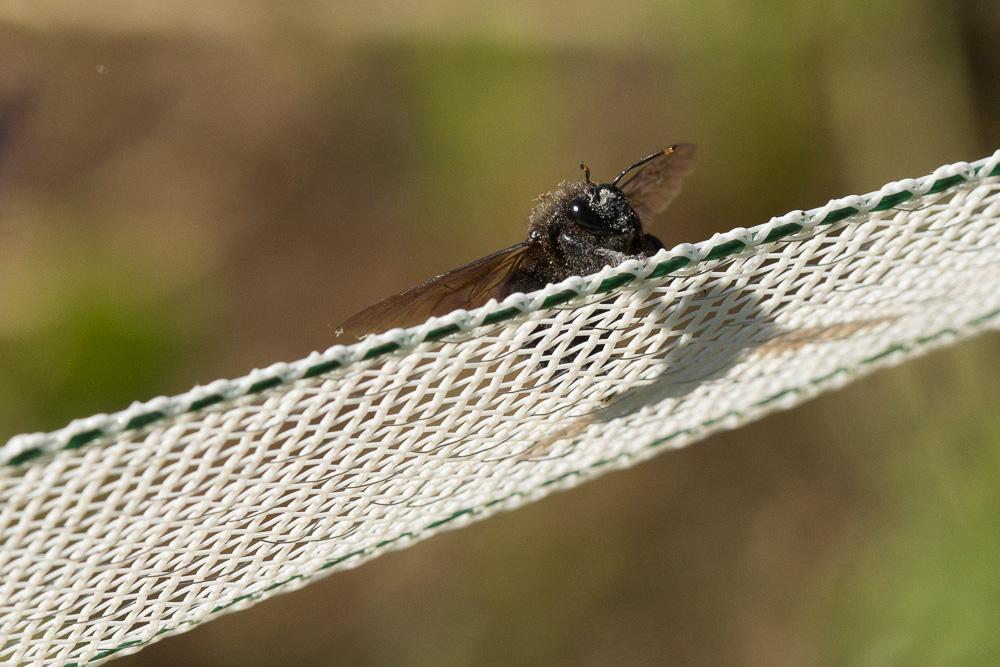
(121, 529)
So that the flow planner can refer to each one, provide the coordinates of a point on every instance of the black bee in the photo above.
(576, 229)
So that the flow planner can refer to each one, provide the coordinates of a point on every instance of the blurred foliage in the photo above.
(98, 349)
(188, 191)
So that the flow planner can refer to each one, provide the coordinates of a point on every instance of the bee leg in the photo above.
(613, 257)
(651, 245)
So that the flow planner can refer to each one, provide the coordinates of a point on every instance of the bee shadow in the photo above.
(712, 330)
(718, 327)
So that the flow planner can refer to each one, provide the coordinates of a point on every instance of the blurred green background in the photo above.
(190, 190)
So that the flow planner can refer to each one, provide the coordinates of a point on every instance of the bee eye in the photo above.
(586, 217)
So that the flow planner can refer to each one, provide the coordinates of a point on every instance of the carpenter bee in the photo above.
(576, 229)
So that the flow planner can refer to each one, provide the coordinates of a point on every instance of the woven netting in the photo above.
(122, 529)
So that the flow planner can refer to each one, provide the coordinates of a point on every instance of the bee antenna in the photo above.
(665, 151)
(586, 171)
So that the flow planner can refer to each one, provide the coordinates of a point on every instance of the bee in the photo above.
(578, 228)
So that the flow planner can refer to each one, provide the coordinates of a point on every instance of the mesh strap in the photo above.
(120, 529)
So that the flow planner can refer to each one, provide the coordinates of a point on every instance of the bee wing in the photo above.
(652, 187)
(466, 287)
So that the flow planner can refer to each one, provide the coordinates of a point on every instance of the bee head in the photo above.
(602, 210)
